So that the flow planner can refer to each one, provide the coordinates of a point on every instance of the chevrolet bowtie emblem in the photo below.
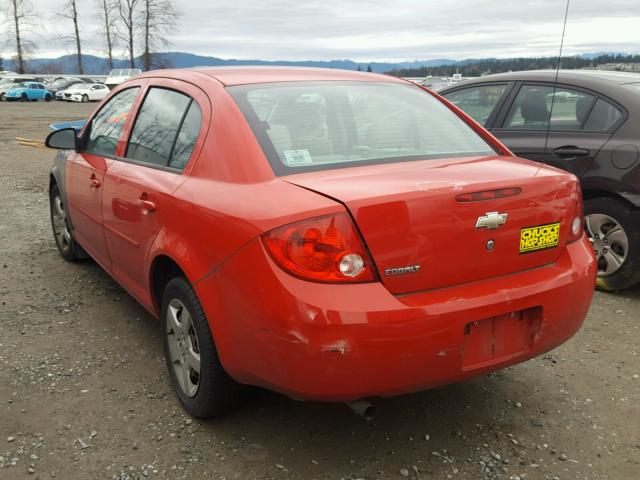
(491, 220)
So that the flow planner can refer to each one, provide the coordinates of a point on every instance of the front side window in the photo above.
(106, 126)
(305, 126)
(477, 102)
(541, 107)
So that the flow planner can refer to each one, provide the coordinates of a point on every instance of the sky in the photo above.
(364, 31)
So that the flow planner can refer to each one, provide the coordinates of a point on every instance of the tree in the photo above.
(107, 9)
(127, 11)
(158, 20)
(70, 9)
(20, 13)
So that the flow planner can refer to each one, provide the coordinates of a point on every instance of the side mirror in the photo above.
(64, 139)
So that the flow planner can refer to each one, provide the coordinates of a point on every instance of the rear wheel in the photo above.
(67, 246)
(47, 98)
(615, 235)
(202, 385)
(2, 99)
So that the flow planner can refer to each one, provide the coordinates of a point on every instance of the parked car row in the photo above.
(68, 89)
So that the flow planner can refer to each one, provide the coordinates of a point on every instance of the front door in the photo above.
(85, 172)
(84, 177)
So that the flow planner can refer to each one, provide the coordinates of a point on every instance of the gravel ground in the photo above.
(84, 393)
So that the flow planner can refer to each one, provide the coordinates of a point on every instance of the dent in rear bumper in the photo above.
(343, 342)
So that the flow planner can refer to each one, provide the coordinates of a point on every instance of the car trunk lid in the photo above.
(422, 236)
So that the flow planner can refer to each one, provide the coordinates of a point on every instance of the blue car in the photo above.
(29, 91)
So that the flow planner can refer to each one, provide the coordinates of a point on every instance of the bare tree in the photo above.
(21, 14)
(107, 9)
(127, 13)
(70, 12)
(158, 20)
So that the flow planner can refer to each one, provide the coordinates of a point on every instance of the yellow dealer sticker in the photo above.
(539, 238)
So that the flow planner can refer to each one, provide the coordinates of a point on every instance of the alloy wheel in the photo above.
(184, 351)
(60, 224)
(610, 242)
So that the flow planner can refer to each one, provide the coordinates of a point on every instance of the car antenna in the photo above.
(555, 83)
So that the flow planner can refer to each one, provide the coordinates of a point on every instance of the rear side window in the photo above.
(165, 130)
(603, 117)
(532, 109)
(187, 137)
(106, 126)
(477, 102)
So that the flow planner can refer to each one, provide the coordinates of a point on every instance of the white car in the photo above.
(61, 91)
(85, 92)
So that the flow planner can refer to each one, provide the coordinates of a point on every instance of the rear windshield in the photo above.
(321, 125)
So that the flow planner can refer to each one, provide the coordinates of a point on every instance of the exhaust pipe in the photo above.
(362, 408)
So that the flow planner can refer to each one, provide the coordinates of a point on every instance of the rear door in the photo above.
(578, 123)
(139, 185)
(85, 173)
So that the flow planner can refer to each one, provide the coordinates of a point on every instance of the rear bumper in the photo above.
(344, 342)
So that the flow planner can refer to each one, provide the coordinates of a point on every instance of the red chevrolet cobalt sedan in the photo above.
(326, 234)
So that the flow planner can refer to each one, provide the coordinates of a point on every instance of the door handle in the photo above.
(570, 151)
(147, 205)
(94, 182)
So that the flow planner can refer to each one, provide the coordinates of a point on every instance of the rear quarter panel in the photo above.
(230, 194)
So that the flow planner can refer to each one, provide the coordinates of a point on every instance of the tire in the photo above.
(2, 99)
(47, 98)
(67, 246)
(211, 392)
(615, 232)
(85, 98)
(24, 98)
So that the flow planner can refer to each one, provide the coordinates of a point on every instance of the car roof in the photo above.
(564, 76)
(243, 75)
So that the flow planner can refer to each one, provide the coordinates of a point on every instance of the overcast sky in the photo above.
(374, 30)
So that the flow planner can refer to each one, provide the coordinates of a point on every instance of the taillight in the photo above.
(321, 249)
(576, 227)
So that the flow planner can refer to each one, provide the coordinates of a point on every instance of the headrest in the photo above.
(534, 107)
(582, 109)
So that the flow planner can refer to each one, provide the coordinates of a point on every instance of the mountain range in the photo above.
(99, 66)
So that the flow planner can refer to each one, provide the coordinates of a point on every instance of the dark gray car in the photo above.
(593, 120)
